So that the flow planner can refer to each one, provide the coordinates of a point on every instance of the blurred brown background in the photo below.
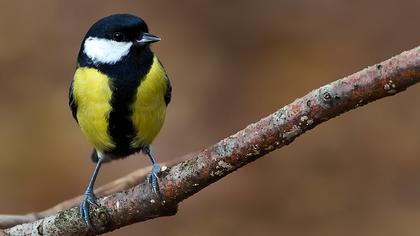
(231, 63)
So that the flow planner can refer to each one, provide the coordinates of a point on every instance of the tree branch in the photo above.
(274, 131)
(123, 183)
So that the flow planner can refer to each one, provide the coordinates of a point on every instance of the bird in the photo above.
(119, 95)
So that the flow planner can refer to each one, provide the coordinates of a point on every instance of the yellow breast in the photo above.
(92, 94)
(149, 107)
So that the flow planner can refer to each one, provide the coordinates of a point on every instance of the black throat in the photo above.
(125, 77)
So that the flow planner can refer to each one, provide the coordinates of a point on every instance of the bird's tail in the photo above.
(94, 156)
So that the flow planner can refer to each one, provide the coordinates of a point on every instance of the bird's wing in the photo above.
(168, 93)
(72, 102)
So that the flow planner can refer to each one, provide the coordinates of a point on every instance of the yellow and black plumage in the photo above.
(119, 93)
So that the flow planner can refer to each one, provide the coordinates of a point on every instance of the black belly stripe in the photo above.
(125, 77)
(120, 127)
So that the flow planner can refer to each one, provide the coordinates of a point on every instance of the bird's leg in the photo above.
(89, 197)
(152, 176)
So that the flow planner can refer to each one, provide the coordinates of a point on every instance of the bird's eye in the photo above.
(118, 36)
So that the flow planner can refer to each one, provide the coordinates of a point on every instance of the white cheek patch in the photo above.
(105, 51)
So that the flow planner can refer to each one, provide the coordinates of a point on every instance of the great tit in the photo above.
(119, 94)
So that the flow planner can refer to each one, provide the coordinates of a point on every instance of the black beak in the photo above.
(147, 38)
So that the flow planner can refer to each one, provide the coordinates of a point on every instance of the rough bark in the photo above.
(123, 183)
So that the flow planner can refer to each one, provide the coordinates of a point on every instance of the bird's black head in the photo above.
(112, 38)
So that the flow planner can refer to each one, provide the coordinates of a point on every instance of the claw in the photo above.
(153, 179)
(89, 198)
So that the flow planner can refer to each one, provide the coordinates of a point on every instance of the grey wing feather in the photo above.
(168, 94)
(72, 102)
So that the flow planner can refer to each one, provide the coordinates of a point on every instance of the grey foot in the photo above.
(89, 198)
(153, 179)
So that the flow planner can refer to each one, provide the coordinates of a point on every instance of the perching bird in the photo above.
(119, 94)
